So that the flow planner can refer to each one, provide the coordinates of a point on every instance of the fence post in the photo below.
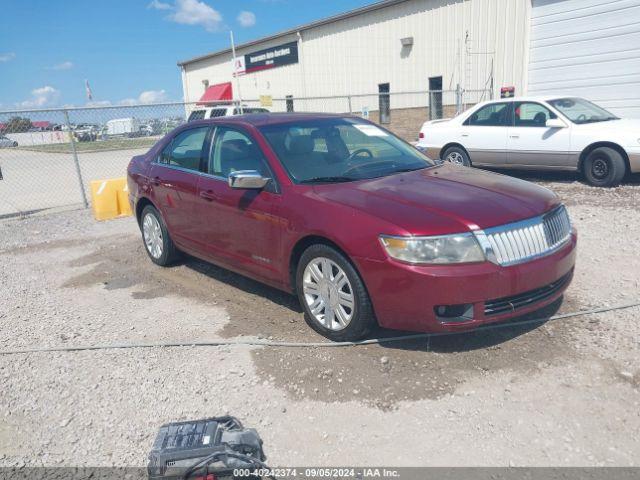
(75, 158)
(458, 99)
(349, 101)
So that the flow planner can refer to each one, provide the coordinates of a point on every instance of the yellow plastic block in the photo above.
(109, 198)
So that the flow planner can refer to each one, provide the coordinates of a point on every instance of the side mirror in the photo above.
(555, 123)
(247, 179)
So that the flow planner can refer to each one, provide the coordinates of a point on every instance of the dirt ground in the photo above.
(559, 392)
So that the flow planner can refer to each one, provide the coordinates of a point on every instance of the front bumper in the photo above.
(404, 296)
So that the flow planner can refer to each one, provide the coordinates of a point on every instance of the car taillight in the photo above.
(421, 135)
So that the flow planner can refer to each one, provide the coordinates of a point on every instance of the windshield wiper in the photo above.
(409, 169)
(328, 180)
(600, 119)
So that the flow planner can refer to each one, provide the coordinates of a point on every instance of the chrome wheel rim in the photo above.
(455, 157)
(152, 235)
(328, 293)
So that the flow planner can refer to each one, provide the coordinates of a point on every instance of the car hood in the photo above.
(443, 199)
(627, 124)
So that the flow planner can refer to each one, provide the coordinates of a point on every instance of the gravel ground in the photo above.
(556, 393)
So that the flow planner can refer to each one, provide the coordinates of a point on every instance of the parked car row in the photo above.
(539, 133)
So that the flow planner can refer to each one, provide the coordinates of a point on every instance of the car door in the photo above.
(484, 134)
(239, 227)
(531, 143)
(174, 179)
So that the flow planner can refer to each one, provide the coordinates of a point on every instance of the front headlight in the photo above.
(458, 248)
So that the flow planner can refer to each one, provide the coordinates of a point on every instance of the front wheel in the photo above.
(155, 236)
(604, 167)
(335, 301)
(457, 156)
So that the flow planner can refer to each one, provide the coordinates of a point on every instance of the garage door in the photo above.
(587, 48)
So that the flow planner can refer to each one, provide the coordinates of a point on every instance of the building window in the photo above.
(435, 98)
(383, 103)
(289, 99)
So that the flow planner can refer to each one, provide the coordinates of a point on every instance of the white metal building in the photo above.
(589, 48)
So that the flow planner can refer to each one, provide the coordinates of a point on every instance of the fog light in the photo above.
(454, 313)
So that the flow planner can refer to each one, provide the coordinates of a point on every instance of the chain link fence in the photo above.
(48, 158)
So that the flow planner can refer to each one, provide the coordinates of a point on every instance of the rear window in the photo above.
(218, 112)
(250, 110)
(196, 115)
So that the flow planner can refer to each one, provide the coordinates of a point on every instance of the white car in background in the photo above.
(538, 133)
(223, 111)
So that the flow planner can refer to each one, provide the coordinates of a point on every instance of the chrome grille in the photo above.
(522, 241)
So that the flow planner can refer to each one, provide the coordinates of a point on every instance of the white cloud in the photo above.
(6, 57)
(63, 66)
(195, 12)
(158, 5)
(148, 96)
(247, 19)
(153, 96)
(98, 103)
(42, 97)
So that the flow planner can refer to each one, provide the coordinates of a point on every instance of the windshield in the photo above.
(340, 150)
(579, 110)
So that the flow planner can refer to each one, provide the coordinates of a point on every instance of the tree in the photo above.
(18, 124)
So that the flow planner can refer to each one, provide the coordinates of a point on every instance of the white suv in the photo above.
(539, 133)
(222, 111)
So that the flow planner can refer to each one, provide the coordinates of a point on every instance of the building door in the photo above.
(587, 48)
(435, 98)
(384, 103)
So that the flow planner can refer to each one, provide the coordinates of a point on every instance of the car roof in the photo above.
(262, 119)
(528, 98)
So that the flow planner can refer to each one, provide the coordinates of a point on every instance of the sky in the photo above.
(127, 49)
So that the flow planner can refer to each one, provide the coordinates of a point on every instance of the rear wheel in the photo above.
(335, 301)
(155, 236)
(457, 156)
(604, 167)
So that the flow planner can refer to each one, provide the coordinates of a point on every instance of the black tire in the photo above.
(459, 153)
(169, 253)
(363, 319)
(604, 167)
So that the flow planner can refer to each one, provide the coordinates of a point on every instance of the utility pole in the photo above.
(235, 71)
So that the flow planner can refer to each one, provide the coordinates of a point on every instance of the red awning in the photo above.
(217, 93)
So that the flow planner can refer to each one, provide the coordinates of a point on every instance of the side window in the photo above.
(494, 115)
(218, 112)
(232, 151)
(196, 115)
(185, 150)
(530, 114)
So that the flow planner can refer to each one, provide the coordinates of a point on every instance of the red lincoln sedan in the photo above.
(359, 224)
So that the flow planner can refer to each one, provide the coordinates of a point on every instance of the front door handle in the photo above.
(208, 195)
(465, 134)
(514, 136)
(156, 181)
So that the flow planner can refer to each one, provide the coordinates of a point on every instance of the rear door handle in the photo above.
(208, 195)
(156, 181)
(465, 134)
(514, 136)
